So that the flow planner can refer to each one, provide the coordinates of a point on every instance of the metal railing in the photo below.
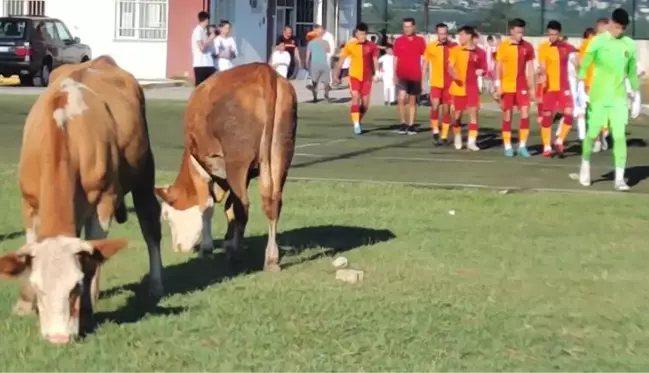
(141, 19)
(23, 8)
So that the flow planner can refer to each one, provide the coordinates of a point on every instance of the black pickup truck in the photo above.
(32, 46)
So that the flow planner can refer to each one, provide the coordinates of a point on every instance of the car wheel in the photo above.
(44, 75)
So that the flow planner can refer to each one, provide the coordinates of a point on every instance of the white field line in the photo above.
(456, 160)
(454, 185)
(310, 144)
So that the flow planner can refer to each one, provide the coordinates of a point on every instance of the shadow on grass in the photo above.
(200, 272)
(634, 175)
(11, 235)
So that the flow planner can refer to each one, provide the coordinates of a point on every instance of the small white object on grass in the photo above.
(349, 275)
(451, 212)
(340, 262)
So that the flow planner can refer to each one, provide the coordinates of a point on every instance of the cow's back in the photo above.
(230, 110)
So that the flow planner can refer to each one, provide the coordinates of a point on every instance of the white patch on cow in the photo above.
(55, 273)
(75, 103)
(189, 226)
(31, 233)
(201, 171)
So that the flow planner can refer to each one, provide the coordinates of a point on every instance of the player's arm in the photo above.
(375, 59)
(498, 67)
(530, 72)
(344, 53)
(396, 51)
(307, 57)
(482, 62)
(452, 72)
(426, 61)
(632, 70)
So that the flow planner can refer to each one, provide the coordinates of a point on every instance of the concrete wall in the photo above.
(182, 20)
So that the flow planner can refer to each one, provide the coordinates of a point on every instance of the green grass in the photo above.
(517, 281)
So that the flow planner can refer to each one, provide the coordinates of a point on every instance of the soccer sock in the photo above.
(523, 132)
(565, 129)
(434, 120)
(457, 127)
(546, 132)
(587, 148)
(581, 127)
(473, 132)
(446, 123)
(507, 134)
(356, 115)
(362, 110)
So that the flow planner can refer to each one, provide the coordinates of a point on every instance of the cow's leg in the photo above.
(271, 204)
(96, 228)
(147, 209)
(236, 211)
(26, 303)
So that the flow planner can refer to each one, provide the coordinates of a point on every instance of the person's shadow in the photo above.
(201, 272)
(634, 175)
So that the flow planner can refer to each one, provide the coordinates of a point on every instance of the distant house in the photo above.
(151, 38)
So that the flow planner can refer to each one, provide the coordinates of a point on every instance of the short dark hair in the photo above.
(224, 22)
(554, 25)
(588, 32)
(388, 46)
(362, 27)
(490, 38)
(409, 20)
(602, 20)
(203, 16)
(441, 25)
(468, 30)
(621, 17)
(517, 22)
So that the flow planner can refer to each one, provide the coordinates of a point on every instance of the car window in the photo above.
(12, 29)
(49, 31)
(63, 32)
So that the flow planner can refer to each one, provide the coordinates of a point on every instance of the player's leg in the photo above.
(523, 103)
(507, 105)
(366, 92)
(414, 91)
(434, 95)
(355, 88)
(549, 106)
(473, 128)
(457, 136)
(566, 126)
(618, 120)
(597, 115)
(445, 105)
(403, 106)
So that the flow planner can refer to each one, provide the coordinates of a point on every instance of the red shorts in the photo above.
(364, 87)
(557, 101)
(511, 100)
(470, 100)
(441, 94)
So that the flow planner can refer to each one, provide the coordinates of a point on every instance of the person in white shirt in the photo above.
(225, 47)
(386, 63)
(329, 39)
(280, 60)
(202, 61)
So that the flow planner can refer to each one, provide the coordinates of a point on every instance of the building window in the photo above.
(141, 19)
(23, 7)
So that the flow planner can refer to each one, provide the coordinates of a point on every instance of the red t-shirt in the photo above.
(408, 51)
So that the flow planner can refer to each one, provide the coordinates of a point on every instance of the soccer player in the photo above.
(600, 26)
(554, 55)
(364, 63)
(408, 50)
(614, 56)
(514, 76)
(467, 63)
(436, 59)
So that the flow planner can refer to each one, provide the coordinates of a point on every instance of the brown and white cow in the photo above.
(85, 145)
(237, 121)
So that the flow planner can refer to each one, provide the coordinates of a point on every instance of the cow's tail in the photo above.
(57, 176)
(284, 131)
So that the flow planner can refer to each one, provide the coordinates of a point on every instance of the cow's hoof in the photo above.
(272, 267)
(23, 308)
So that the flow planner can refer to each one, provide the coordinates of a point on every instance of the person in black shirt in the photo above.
(290, 45)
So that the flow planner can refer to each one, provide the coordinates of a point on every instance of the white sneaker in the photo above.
(621, 186)
(458, 141)
(597, 146)
(584, 174)
(472, 147)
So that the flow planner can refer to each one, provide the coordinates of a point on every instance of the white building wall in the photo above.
(250, 30)
(94, 22)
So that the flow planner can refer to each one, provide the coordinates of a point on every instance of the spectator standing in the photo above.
(280, 60)
(408, 51)
(316, 58)
(290, 44)
(386, 63)
(202, 49)
(225, 47)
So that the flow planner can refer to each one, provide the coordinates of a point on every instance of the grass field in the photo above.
(525, 281)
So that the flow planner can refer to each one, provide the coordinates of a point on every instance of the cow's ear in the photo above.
(13, 265)
(166, 193)
(99, 251)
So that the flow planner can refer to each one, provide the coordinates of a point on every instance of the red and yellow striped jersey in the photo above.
(513, 58)
(465, 63)
(554, 58)
(361, 57)
(436, 55)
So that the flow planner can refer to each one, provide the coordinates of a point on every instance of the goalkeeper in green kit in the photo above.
(614, 57)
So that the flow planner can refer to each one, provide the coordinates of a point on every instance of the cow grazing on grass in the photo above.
(237, 121)
(85, 145)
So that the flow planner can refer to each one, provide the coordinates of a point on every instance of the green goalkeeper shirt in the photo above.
(614, 60)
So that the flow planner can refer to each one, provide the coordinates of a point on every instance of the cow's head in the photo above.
(188, 206)
(57, 268)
